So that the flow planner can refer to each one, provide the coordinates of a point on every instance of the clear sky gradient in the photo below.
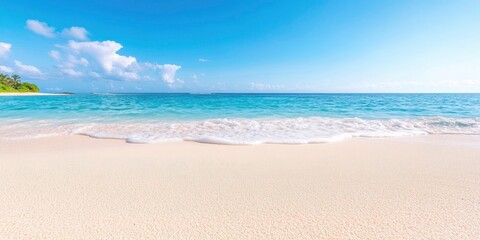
(243, 46)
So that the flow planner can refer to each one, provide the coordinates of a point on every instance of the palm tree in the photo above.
(16, 80)
(5, 79)
(15, 77)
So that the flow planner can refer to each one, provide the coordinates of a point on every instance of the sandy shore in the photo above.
(30, 94)
(82, 188)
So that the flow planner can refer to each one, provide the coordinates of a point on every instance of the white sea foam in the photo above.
(245, 131)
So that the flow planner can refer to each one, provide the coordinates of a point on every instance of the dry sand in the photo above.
(82, 188)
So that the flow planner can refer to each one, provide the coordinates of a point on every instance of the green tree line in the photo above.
(13, 83)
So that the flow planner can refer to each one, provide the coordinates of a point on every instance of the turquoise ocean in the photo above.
(238, 118)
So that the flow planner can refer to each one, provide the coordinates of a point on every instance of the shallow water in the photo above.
(239, 118)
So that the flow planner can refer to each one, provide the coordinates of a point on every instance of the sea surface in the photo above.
(238, 118)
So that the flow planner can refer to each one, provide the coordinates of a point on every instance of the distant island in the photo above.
(13, 84)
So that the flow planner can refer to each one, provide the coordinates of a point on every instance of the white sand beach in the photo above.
(76, 187)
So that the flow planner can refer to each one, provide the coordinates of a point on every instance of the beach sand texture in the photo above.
(425, 187)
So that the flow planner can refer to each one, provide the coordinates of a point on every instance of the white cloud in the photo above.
(69, 63)
(5, 49)
(41, 28)
(97, 59)
(105, 55)
(168, 72)
(6, 69)
(28, 69)
(73, 61)
(71, 72)
(203, 60)
(76, 32)
(54, 54)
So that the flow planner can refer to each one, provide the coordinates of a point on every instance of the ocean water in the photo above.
(238, 118)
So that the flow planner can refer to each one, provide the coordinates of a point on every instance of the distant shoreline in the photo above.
(15, 94)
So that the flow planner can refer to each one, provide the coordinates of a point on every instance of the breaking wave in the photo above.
(244, 131)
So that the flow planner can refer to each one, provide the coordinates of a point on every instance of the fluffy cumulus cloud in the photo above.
(5, 49)
(104, 55)
(101, 60)
(167, 71)
(79, 33)
(5, 69)
(27, 69)
(40, 28)
(73, 61)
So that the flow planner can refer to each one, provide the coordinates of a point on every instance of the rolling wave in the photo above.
(244, 131)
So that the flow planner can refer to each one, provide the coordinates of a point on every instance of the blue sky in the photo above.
(243, 46)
